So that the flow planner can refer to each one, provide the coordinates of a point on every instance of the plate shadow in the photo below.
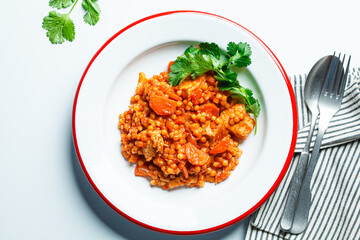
(121, 225)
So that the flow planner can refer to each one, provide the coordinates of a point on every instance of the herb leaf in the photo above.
(180, 70)
(209, 57)
(60, 3)
(93, 11)
(200, 64)
(239, 54)
(232, 48)
(252, 105)
(212, 51)
(59, 27)
(191, 51)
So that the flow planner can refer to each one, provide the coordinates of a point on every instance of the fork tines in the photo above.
(336, 76)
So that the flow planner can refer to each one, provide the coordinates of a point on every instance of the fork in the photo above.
(329, 103)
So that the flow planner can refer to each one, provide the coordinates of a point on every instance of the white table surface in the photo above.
(44, 194)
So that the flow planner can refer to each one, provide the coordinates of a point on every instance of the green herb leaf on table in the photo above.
(92, 11)
(59, 27)
(209, 57)
(60, 3)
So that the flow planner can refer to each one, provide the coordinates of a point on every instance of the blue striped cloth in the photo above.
(335, 186)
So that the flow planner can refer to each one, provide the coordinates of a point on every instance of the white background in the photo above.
(43, 194)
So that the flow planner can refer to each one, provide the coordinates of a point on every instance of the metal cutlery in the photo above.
(329, 103)
(324, 90)
(312, 90)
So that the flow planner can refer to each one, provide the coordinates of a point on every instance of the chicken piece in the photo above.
(221, 130)
(190, 85)
(142, 171)
(193, 88)
(157, 140)
(242, 129)
(140, 88)
(161, 89)
(191, 139)
(216, 132)
(196, 95)
(195, 156)
(226, 114)
(149, 152)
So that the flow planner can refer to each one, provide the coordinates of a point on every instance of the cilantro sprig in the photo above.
(60, 26)
(209, 57)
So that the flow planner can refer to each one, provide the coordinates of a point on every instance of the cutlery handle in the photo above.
(301, 216)
(295, 185)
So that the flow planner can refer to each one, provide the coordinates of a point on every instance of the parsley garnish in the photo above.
(209, 57)
(60, 27)
(92, 11)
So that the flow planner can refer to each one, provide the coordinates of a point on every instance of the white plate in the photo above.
(105, 90)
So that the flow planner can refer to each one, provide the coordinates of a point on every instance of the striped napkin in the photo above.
(335, 209)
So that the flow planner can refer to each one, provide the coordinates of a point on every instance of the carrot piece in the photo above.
(221, 146)
(167, 89)
(162, 105)
(210, 108)
(174, 96)
(180, 120)
(169, 65)
(184, 170)
(195, 156)
(141, 172)
(170, 125)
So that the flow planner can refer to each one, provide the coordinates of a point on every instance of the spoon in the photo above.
(312, 91)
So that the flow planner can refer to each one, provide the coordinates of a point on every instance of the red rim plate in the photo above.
(258, 204)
